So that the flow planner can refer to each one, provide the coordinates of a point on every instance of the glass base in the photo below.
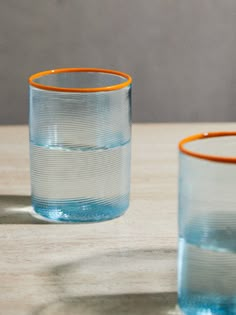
(207, 305)
(79, 210)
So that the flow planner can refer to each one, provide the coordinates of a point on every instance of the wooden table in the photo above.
(124, 266)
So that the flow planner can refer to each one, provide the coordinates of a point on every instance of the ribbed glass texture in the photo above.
(207, 229)
(80, 148)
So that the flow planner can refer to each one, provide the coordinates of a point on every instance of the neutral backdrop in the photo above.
(181, 53)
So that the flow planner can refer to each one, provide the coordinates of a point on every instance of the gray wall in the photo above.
(181, 53)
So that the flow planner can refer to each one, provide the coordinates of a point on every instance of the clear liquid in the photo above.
(80, 183)
(207, 273)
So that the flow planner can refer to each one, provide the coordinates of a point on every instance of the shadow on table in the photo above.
(115, 272)
(17, 210)
(132, 282)
(124, 304)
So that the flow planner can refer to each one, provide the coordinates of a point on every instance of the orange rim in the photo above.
(81, 90)
(222, 159)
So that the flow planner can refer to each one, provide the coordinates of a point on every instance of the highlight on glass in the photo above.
(207, 224)
(80, 134)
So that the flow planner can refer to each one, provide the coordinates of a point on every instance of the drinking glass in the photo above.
(80, 132)
(207, 224)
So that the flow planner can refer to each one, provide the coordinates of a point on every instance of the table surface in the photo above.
(123, 266)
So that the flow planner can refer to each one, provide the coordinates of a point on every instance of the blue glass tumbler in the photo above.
(80, 132)
(207, 224)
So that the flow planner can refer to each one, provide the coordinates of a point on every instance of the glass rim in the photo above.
(206, 135)
(80, 90)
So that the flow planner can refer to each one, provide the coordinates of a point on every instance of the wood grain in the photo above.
(42, 265)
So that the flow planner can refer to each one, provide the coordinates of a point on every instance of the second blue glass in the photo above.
(207, 224)
(80, 132)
